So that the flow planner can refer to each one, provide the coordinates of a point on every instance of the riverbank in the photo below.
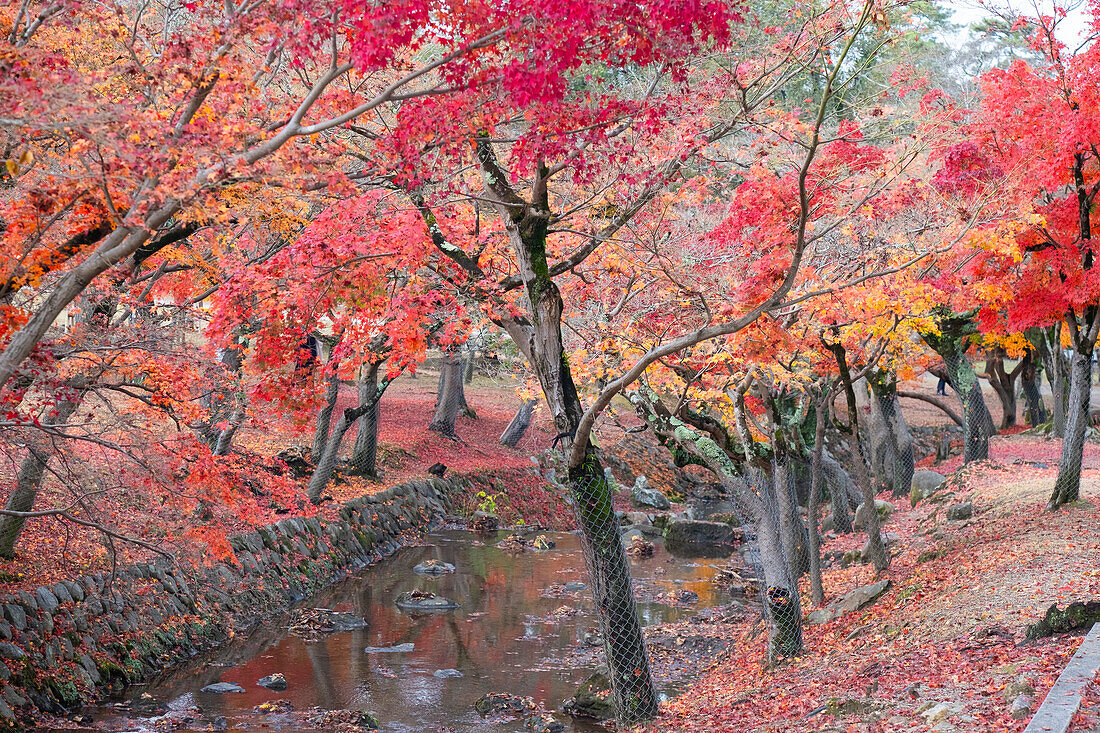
(944, 648)
(75, 641)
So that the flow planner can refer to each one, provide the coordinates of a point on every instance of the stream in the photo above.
(518, 630)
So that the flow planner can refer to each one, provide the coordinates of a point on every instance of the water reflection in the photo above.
(505, 637)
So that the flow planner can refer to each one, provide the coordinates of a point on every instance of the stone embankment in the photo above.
(80, 640)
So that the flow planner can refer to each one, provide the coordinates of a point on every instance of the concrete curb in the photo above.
(1061, 703)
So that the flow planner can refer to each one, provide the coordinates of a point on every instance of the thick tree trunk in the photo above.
(1035, 410)
(538, 335)
(977, 422)
(40, 448)
(324, 417)
(468, 367)
(364, 456)
(464, 408)
(1004, 384)
(780, 593)
(519, 424)
(1048, 342)
(449, 398)
(326, 464)
(817, 590)
(876, 550)
(897, 441)
(791, 527)
(1067, 487)
(840, 490)
(612, 590)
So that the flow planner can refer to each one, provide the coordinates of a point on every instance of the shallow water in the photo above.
(504, 638)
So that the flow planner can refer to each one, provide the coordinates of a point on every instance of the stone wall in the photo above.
(80, 640)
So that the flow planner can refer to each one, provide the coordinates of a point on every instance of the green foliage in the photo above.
(488, 502)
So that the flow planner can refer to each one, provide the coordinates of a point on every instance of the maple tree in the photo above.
(709, 209)
(1033, 141)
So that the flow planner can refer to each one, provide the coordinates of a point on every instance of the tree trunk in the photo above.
(326, 464)
(816, 479)
(612, 590)
(516, 429)
(840, 488)
(40, 448)
(538, 335)
(324, 417)
(468, 367)
(876, 550)
(977, 422)
(791, 528)
(449, 399)
(756, 500)
(364, 456)
(780, 593)
(1035, 410)
(1004, 384)
(464, 408)
(898, 441)
(1067, 487)
(1048, 342)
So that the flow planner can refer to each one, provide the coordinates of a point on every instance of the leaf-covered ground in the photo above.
(950, 628)
(51, 549)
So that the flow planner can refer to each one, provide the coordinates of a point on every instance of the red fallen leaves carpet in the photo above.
(949, 630)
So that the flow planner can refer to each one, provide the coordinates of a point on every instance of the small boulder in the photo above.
(408, 646)
(639, 546)
(433, 567)
(642, 495)
(959, 512)
(417, 600)
(222, 688)
(484, 522)
(1021, 707)
(514, 542)
(542, 723)
(923, 485)
(273, 707)
(1077, 615)
(853, 601)
(885, 509)
(575, 585)
(447, 673)
(638, 519)
(940, 712)
(495, 703)
(273, 682)
(1016, 688)
(592, 699)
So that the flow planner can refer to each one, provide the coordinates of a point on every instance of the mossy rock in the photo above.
(930, 555)
(66, 692)
(1077, 615)
(592, 699)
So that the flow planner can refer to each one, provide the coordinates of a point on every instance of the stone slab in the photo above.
(1061, 703)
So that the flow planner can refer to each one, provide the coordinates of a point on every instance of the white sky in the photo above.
(1071, 30)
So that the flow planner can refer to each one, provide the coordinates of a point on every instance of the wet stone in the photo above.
(447, 673)
(16, 615)
(420, 601)
(433, 567)
(62, 593)
(10, 651)
(275, 682)
(222, 688)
